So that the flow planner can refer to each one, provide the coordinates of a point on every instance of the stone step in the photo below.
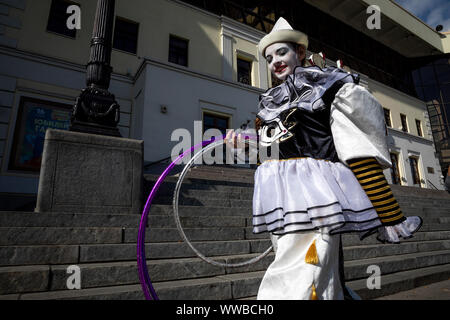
(208, 191)
(205, 232)
(39, 254)
(186, 210)
(421, 194)
(60, 254)
(211, 194)
(435, 227)
(166, 250)
(38, 219)
(401, 281)
(430, 224)
(57, 235)
(357, 269)
(24, 279)
(25, 254)
(17, 279)
(238, 286)
(127, 292)
(220, 175)
(351, 240)
(403, 193)
(379, 250)
(197, 229)
(430, 193)
(223, 169)
(421, 206)
(207, 202)
(419, 201)
(31, 219)
(197, 184)
(409, 208)
(197, 211)
(193, 234)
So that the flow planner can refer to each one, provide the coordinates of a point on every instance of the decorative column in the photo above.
(96, 110)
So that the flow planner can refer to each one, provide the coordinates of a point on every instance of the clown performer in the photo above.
(328, 179)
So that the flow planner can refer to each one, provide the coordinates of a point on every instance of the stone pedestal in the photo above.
(89, 173)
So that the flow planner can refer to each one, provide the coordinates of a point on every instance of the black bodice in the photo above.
(312, 136)
(311, 130)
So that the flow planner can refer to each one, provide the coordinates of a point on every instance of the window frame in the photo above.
(215, 114)
(114, 34)
(187, 41)
(396, 177)
(419, 128)
(69, 3)
(405, 127)
(388, 111)
(250, 63)
(416, 176)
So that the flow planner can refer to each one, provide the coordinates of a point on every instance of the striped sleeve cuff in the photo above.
(370, 175)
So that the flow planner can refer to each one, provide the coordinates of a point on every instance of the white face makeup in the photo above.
(282, 59)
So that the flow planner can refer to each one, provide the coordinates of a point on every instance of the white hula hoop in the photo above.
(180, 228)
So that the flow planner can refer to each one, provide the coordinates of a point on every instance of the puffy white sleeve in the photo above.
(357, 125)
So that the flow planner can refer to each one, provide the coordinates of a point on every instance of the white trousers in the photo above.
(289, 277)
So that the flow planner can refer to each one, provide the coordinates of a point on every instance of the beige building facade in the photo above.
(44, 70)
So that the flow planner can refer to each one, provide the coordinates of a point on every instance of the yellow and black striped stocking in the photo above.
(370, 175)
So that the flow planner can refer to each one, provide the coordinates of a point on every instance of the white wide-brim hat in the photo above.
(282, 32)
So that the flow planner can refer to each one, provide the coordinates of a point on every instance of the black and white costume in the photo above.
(324, 125)
(319, 119)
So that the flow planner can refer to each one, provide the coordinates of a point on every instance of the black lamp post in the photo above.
(96, 110)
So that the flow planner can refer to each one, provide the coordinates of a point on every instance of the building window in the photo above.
(419, 128)
(404, 123)
(125, 35)
(33, 119)
(414, 170)
(178, 50)
(215, 121)
(387, 117)
(395, 171)
(57, 19)
(244, 71)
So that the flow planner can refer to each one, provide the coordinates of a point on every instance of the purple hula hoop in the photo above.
(144, 278)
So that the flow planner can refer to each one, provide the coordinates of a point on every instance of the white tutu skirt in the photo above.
(306, 194)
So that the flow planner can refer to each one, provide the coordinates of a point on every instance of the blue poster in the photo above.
(36, 119)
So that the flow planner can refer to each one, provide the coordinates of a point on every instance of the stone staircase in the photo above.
(215, 210)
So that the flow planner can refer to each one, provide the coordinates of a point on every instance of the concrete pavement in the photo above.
(434, 291)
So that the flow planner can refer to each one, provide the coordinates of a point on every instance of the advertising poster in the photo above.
(34, 118)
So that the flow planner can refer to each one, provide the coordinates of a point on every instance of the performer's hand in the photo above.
(234, 139)
(402, 230)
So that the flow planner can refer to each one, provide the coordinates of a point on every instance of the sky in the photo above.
(432, 12)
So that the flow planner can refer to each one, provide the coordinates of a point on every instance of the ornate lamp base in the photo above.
(96, 111)
(86, 127)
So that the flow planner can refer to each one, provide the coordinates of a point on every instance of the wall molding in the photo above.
(234, 28)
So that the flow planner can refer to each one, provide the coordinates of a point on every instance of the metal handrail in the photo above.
(156, 162)
(432, 184)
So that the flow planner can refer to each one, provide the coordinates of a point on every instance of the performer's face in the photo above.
(283, 58)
